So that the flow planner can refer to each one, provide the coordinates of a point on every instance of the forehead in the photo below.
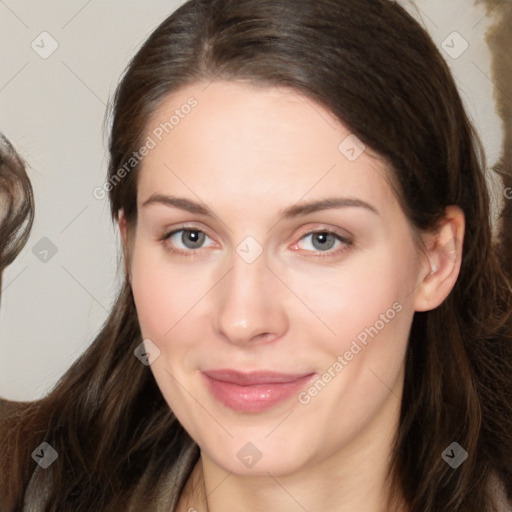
(236, 140)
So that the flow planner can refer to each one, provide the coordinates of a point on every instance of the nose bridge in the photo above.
(248, 306)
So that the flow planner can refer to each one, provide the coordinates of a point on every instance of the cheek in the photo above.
(369, 307)
(365, 299)
(162, 294)
(374, 330)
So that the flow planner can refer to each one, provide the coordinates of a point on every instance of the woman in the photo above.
(354, 333)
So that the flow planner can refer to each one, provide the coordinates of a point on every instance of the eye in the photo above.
(190, 240)
(323, 241)
(186, 239)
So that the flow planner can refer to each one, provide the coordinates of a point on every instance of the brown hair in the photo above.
(117, 440)
(16, 205)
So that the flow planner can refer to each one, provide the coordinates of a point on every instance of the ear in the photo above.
(442, 262)
(125, 241)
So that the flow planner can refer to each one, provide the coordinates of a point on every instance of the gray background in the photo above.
(52, 109)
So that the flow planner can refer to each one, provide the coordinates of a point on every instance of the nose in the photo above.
(249, 306)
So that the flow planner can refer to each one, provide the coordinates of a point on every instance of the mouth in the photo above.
(254, 391)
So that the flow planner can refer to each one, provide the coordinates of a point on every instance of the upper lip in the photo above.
(254, 377)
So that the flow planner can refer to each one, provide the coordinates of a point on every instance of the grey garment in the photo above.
(35, 502)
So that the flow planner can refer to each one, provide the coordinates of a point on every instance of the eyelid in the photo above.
(325, 228)
(168, 231)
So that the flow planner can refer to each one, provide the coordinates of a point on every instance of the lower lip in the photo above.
(255, 398)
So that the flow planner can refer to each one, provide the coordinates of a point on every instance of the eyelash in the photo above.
(347, 244)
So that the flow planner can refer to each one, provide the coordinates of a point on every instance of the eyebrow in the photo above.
(290, 212)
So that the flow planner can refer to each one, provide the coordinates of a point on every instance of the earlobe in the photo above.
(443, 262)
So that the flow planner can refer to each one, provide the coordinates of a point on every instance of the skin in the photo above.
(247, 154)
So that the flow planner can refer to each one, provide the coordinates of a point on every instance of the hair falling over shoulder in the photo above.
(118, 442)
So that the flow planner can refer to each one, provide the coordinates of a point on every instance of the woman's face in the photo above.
(275, 272)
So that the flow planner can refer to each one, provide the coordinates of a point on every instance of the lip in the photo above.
(254, 391)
